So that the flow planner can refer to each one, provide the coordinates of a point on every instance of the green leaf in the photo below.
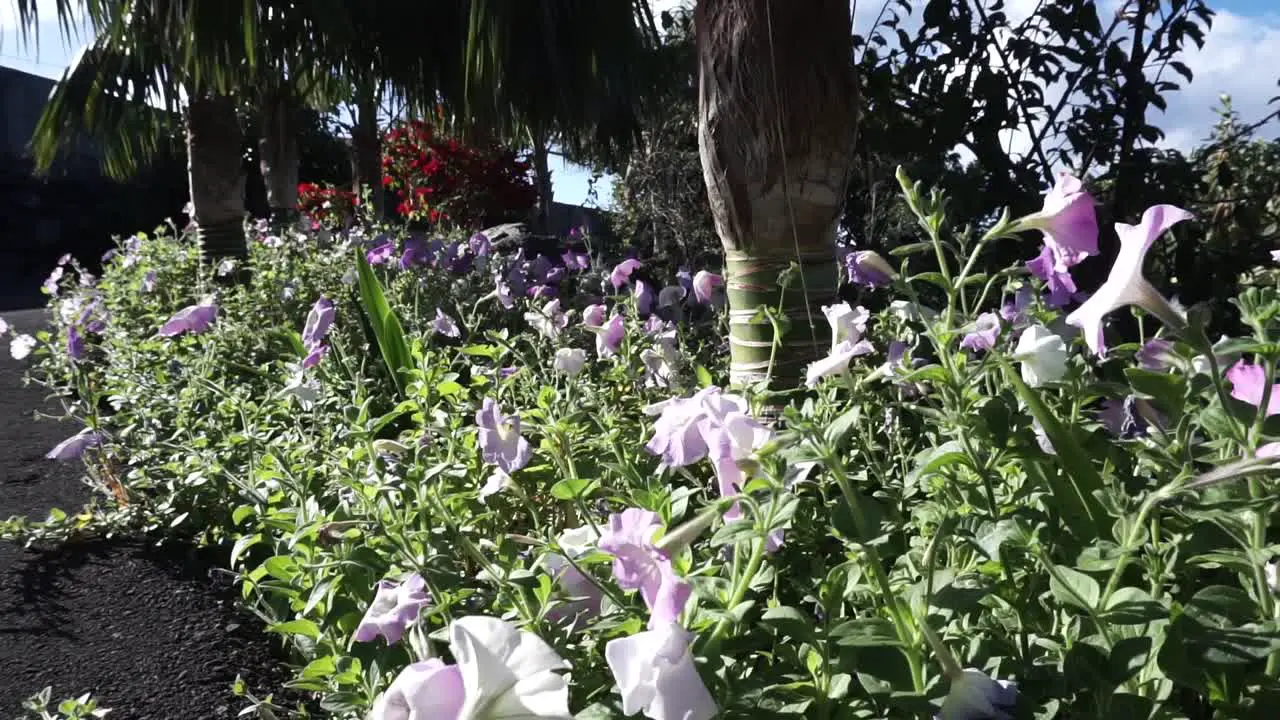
(704, 377)
(240, 513)
(866, 632)
(911, 249)
(571, 488)
(386, 326)
(788, 621)
(1133, 606)
(1072, 587)
(1222, 605)
(1128, 657)
(1216, 421)
(936, 458)
(295, 341)
(597, 711)
(281, 567)
(301, 626)
(995, 421)
(839, 686)
(928, 373)
(936, 279)
(839, 428)
(1167, 389)
(1077, 501)
(242, 543)
(320, 668)
(449, 388)
(487, 351)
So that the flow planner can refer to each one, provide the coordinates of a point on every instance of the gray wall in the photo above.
(74, 208)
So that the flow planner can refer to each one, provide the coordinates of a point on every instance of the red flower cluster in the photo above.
(326, 205)
(441, 180)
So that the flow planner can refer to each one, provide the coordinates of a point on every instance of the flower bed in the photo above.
(464, 484)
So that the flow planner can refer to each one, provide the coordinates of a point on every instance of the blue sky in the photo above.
(1245, 38)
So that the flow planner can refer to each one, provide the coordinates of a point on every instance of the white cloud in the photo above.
(1240, 58)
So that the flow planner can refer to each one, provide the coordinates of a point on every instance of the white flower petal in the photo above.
(507, 673)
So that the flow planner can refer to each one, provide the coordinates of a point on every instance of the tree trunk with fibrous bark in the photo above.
(215, 172)
(278, 153)
(777, 113)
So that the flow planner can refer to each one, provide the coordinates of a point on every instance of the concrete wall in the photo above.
(74, 208)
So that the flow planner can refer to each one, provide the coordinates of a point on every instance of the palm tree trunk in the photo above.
(215, 173)
(366, 153)
(777, 112)
(278, 152)
(542, 180)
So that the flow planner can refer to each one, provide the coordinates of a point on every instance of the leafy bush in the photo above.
(440, 179)
(330, 207)
(439, 470)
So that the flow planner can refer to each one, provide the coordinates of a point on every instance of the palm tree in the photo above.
(140, 54)
(777, 107)
(563, 73)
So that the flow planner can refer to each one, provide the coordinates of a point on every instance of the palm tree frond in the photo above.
(103, 97)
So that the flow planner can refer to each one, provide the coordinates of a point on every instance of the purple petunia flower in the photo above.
(639, 565)
(621, 274)
(21, 346)
(1155, 354)
(74, 446)
(149, 281)
(656, 674)
(684, 279)
(426, 689)
(381, 253)
(445, 325)
(867, 268)
(395, 606)
(985, 333)
(540, 269)
(1061, 286)
(593, 316)
(671, 296)
(192, 319)
(1130, 417)
(975, 696)
(314, 356)
(50, 286)
(500, 439)
(576, 543)
(75, 343)
(1125, 284)
(729, 441)
(502, 291)
(705, 285)
(576, 260)
(415, 253)
(655, 325)
(1014, 311)
(678, 435)
(1249, 382)
(319, 321)
(643, 295)
(479, 244)
(538, 292)
(1068, 222)
(609, 336)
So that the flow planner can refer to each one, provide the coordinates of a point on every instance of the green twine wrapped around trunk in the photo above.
(753, 280)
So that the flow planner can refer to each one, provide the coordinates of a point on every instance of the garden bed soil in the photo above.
(151, 632)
